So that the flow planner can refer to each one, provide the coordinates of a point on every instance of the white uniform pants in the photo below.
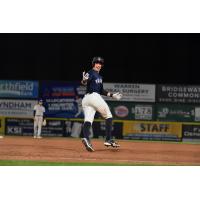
(92, 103)
(38, 125)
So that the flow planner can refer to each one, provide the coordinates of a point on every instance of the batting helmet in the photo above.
(97, 60)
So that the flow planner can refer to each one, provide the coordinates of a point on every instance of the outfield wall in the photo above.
(146, 111)
(122, 129)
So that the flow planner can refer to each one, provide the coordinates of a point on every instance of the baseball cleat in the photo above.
(34, 136)
(87, 145)
(111, 143)
(39, 137)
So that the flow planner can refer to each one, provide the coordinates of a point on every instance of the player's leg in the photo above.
(35, 127)
(40, 120)
(104, 110)
(79, 112)
(89, 113)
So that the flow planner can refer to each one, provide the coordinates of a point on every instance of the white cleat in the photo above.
(39, 137)
(87, 145)
(111, 143)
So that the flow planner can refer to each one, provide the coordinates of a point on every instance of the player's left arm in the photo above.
(116, 96)
(106, 93)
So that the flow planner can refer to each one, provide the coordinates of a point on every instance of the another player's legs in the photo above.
(35, 127)
(40, 120)
(79, 112)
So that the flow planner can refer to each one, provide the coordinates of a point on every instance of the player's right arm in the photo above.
(34, 112)
(85, 78)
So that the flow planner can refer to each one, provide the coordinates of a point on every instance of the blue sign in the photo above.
(62, 99)
(18, 89)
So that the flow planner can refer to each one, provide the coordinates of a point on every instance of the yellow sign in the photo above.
(146, 127)
(2, 125)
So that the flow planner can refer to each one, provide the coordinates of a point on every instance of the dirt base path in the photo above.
(72, 150)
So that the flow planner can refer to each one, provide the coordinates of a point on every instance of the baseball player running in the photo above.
(93, 102)
(39, 119)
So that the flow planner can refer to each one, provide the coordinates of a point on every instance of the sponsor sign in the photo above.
(131, 111)
(152, 130)
(18, 126)
(143, 112)
(178, 94)
(132, 92)
(18, 89)
(17, 108)
(63, 99)
(197, 114)
(2, 125)
(191, 131)
(24, 127)
(181, 113)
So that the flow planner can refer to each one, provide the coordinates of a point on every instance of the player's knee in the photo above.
(108, 115)
(87, 124)
(105, 113)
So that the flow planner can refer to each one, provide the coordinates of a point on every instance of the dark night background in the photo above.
(137, 58)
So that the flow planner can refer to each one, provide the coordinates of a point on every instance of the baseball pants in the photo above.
(38, 125)
(94, 102)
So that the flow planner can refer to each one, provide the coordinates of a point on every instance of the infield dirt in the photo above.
(72, 150)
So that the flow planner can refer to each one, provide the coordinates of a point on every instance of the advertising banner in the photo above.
(197, 114)
(131, 111)
(18, 126)
(175, 112)
(177, 94)
(2, 125)
(191, 131)
(152, 130)
(24, 127)
(132, 92)
(59, 128)
(17, 108)
(18, 89)
(63, 99)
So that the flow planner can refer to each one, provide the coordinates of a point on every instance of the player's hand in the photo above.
(85, 76)
(117, 96)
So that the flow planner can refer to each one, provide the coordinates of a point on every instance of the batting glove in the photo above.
(44, 123)
(85, 76)
(117, 96)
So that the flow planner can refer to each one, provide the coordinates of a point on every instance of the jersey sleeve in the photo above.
(103, 92)
(34, 107)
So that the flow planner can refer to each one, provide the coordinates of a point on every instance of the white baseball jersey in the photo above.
(39, 110)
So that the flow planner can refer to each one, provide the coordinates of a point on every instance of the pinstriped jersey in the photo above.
(95, 82)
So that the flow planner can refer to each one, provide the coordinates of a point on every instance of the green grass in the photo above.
(46, 163)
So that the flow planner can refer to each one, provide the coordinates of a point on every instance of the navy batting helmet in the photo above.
(97, 60)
